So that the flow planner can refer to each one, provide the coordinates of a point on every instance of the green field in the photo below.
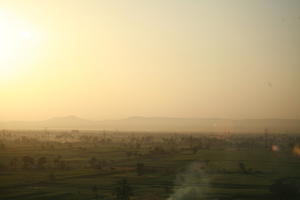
(90, 165)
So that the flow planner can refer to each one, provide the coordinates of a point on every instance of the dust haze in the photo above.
(149, 100)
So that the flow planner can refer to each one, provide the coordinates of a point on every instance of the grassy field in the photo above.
(156, 166)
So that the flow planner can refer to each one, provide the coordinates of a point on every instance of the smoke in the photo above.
(189, 184)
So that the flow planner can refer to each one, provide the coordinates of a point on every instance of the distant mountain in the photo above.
(204, 125)
(163, 124)
(57, 122)
(68, 122)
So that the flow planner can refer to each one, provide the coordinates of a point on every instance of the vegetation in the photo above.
(154, 166)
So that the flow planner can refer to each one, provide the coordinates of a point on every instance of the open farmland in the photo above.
(96, 164)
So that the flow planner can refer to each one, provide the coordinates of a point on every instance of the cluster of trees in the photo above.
(136, 147)
(100, 164)
(123, 190)
(28, 162)
(194, 142)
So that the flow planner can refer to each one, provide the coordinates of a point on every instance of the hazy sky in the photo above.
(110, 59)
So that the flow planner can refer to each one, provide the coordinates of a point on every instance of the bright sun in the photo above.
(17, 42)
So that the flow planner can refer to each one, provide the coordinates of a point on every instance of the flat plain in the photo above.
(148, 166)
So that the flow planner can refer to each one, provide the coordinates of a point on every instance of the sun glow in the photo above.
(18, 42)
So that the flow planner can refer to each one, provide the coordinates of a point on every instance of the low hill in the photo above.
(162, 124)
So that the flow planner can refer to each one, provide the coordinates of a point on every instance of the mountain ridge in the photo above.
(141, 123)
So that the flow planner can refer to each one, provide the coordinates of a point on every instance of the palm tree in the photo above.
(28, 162)
(41, 162)
(123, 191)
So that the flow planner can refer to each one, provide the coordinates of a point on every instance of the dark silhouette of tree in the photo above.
(95, 191)
(195, 150)
(41, 162)
(13, 163)
(93, 162)
(28, 162)
(123, 191)
(140, 168)
(243, 168)
(60, 164)
(56, 161)
(3, 166)
(52, 176)
(63, 165)
(2, 147)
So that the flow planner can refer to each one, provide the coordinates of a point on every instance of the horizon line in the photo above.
(150, 117)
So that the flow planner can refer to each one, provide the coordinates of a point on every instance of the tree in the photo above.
(123, 191)
(140, 168)
(41, 162)
(195, 149)
(2, 146)
(13, 163)
(28, 162)
(95, 191)
(93, 162)
(57, 161)
(52, 177)
(243, 168)
(63, 165)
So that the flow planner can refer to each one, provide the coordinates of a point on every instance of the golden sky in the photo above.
(111, 59)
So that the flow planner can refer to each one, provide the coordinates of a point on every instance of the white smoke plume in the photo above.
(189, 184)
